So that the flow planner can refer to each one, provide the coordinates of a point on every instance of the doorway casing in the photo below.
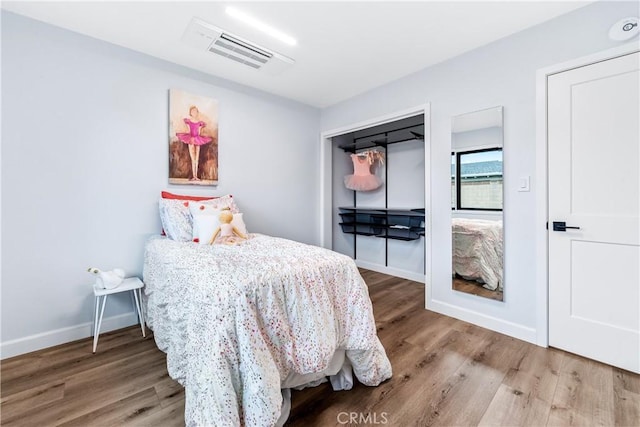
(326, 167)
(541, 181)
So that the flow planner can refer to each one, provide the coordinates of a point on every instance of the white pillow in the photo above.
(203, 208)
(205, 219)
(238, 222)
(203, 228)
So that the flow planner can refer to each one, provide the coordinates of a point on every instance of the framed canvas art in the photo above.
(193, 139)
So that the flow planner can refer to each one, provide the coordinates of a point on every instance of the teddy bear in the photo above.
(226, 232)
(107, 279)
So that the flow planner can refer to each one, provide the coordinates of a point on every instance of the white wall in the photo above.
(477, 139)
(501, 73)
(85, 156)
(489, 215)
(341, 195)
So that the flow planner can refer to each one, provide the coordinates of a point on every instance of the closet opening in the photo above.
(377, 205)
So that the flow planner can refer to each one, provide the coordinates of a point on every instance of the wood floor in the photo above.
(445, 373)
(474, 288)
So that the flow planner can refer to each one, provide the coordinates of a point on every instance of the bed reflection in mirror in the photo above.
(477, 201)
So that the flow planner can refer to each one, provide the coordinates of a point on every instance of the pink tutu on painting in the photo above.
(362, 178)
(194, 137)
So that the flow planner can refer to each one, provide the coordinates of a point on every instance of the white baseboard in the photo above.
(498, 325)
(409, 275)
(61, 336)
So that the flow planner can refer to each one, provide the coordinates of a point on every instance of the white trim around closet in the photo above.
(541, 183)
(326, 214)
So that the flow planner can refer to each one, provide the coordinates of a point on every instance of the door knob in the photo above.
(562, 226)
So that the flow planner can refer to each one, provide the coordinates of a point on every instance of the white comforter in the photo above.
(478, 251)
(235, 321)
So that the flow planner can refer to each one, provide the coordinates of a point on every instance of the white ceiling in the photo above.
(344, 48)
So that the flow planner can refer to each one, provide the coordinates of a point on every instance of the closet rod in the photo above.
(387, 132)
(353, 146)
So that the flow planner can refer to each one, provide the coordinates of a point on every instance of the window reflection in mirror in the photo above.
(477, 203)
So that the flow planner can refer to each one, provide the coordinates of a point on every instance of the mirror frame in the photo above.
(467, 122)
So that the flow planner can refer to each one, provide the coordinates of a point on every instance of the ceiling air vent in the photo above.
(208, 37)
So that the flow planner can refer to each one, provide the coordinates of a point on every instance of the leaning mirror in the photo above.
(477, 203)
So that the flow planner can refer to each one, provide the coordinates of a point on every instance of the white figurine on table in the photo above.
(107, 279)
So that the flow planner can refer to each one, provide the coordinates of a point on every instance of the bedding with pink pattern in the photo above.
(478, 251)
(241, 324)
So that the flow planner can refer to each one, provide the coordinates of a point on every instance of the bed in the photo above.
(242, 324)
(478, 251)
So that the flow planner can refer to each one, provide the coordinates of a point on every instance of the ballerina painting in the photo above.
(193, 139)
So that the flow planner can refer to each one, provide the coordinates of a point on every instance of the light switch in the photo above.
(523, 183)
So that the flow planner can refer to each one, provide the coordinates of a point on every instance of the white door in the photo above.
(594, 184)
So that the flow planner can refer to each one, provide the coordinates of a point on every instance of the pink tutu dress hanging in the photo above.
(362, 178)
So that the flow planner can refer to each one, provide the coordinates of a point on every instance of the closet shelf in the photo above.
(419, 212)
(363, 145)
(389, 223)
(383, 139)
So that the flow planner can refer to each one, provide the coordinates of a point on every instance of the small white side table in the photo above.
(133, 284)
